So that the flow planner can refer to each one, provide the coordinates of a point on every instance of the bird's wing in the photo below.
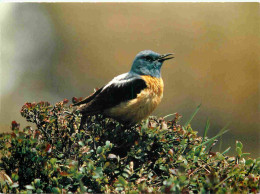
(120, 89)
(89, 98)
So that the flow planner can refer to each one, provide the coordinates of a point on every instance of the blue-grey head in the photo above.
(149, 63)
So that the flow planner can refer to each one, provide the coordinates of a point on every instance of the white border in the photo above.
(124, 1)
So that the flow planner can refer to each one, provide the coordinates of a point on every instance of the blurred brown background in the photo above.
(59, 50)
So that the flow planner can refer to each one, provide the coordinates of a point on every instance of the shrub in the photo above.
(154, 156)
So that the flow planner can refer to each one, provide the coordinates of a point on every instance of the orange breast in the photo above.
(154, 84)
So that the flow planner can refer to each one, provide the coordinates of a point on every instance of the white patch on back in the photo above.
(119, 80)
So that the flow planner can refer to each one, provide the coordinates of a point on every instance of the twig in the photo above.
(223, 181)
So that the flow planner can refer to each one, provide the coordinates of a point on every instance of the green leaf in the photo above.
(56, 190)
(37, 182)
(220, 156)
(245, 154)
(99, 150)
(122, 181)
(14, 185)
(206, 130)
(83, 189)
(239, 145)
(163, 168)
(209, 145)
(192, 116)
(81, 143)
(226, 151)
(53, 161)
(239, 151)
(249, 162)
(98, 173)
(60, 155)
(15, 177)
(29, 187)
(182, 178)
(39, 191)
(198, 151)
(107, 143)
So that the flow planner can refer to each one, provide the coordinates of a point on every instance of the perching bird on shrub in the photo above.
(129, 97)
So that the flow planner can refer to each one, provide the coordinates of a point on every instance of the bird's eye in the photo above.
(148, 58)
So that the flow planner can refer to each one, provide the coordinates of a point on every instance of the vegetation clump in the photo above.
(154, 156)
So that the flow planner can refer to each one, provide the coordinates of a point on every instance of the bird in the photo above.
(130, 97)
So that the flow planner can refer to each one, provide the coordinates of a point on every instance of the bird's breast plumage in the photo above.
(134, 110)
(154, 85)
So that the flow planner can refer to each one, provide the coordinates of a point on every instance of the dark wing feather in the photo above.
(113, 95)
(89, 98)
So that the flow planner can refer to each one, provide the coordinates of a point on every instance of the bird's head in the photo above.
(149, 63)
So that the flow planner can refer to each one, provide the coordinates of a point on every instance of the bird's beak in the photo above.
(165, 57)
